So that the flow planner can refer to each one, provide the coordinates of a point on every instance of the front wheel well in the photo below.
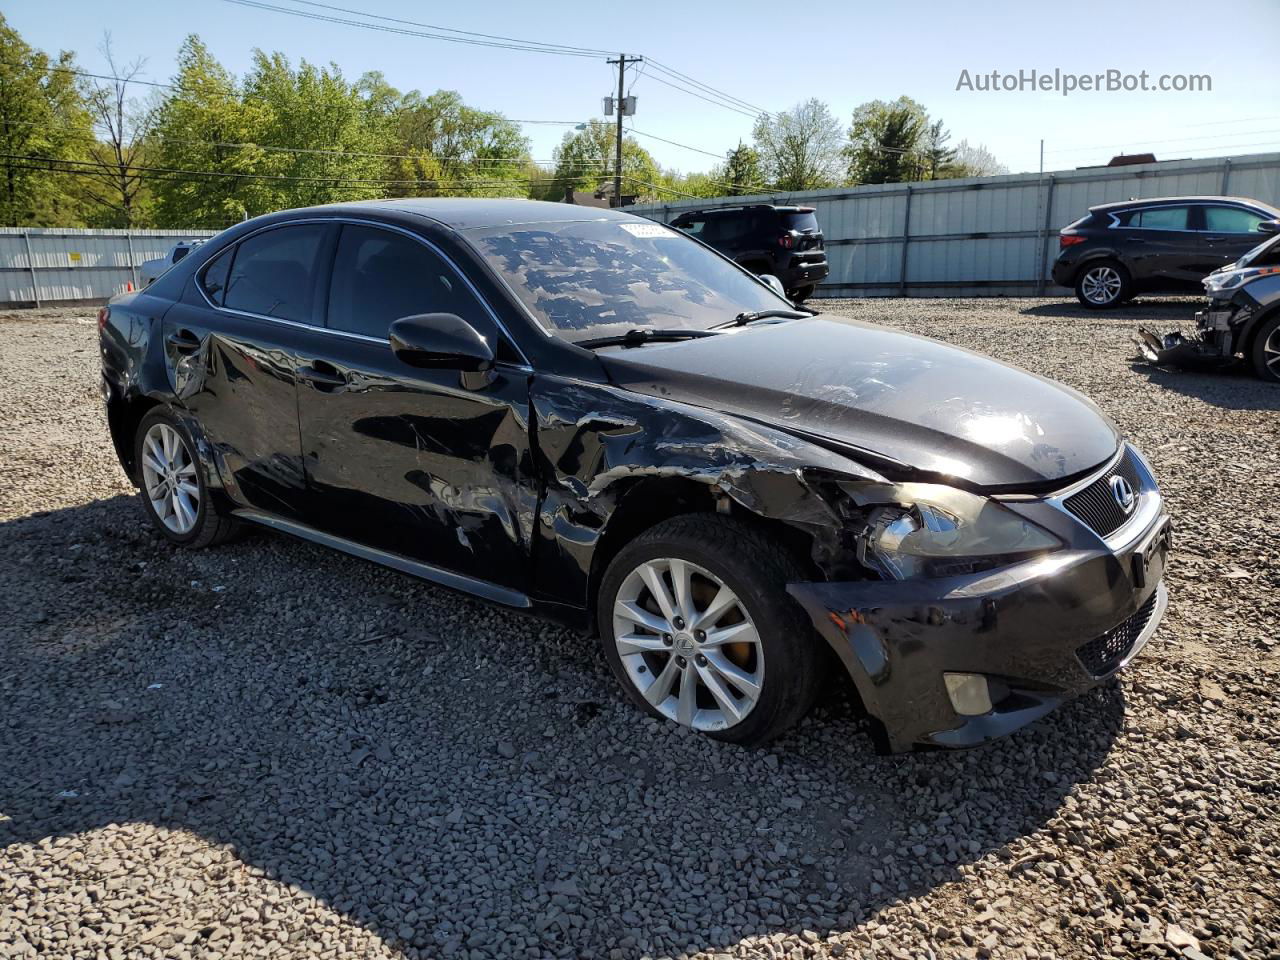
(650, 501)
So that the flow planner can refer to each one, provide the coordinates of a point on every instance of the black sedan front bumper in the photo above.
(1040, 632)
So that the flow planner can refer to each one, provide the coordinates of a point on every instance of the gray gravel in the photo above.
(272, 750)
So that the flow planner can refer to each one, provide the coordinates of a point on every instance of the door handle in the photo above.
(1214, 239)
(183, 340)
(322, 375)
(1137, 240)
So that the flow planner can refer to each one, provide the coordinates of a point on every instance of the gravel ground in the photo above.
(270, 750)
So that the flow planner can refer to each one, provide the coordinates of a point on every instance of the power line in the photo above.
(525, 46)
(96, 168)
(1130, 143)
(708, 88)
(470, 33)
(692, 93)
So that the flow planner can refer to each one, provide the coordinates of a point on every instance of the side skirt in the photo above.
(415, 568)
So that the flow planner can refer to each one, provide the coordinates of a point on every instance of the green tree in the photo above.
(326, 148)
(800, 148)
(205, 126)
(937, 155)
(741, 173)
(473, 152)
(43, 120)
(584, 160)
(887, 141)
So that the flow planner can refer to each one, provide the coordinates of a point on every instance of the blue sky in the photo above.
(841, 53)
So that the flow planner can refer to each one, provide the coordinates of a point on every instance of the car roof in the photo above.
(465, 213)
(1155, 201)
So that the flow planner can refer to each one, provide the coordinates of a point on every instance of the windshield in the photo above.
(1268, 245)
(586, 279)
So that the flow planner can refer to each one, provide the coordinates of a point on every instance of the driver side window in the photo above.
(380, 276)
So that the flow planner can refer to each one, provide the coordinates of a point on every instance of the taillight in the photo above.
(786, 241)
(1069, 240)
(104, 313)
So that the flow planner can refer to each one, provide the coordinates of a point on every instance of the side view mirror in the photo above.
(774, 284)
(1269, 226)
(440, 341)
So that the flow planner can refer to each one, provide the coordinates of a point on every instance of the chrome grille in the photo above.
(1096, 507)
(1103, 655)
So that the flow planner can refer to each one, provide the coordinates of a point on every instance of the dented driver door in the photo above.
(430, 465)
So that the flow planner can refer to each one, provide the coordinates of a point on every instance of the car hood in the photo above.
(921, 403)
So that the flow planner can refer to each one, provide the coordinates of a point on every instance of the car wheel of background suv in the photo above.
(801, 294)
(1103, 283)
(172, 484)
(697, 625)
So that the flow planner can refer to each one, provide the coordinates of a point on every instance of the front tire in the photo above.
(697, 626)
(1264, 355)
(1103, 284)
(172, 484)
(801, 294)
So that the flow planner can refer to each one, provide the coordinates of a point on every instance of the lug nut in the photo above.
(681, 662)
(666, 638)
(679, 621)
(699, 635)
(702, 661)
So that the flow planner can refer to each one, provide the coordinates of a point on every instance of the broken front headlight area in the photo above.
(909, 530)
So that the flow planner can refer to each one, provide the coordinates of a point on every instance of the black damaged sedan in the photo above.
(591, 416)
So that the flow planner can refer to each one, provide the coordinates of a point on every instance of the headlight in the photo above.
(931, 530)
(1230, 279)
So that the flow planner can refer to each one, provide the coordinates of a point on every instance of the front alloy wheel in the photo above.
(691, 613)
(688, 644)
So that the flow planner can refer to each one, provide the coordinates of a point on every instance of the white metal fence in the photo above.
(60, 265)
(990, 236)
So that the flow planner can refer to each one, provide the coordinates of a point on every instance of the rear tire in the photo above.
(801, 294)
(734, 587)
(1264, 353)
(172, 484)
(1102, 284)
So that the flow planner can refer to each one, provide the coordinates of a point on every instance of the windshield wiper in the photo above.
(742, 319)
(639, 336)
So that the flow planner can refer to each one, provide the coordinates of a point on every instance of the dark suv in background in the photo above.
(1165, 245)
(784, 242)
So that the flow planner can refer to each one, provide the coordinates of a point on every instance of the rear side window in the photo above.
(274, 272)
(1161, 218)
(214, 277)
(692, 227)
(380, 276)
(1231, 220)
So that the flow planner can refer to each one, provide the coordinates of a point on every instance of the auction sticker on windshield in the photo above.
(646, 229)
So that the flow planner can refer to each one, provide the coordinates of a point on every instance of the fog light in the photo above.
(969, 693)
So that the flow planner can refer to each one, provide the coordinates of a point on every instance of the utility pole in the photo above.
(619, 108)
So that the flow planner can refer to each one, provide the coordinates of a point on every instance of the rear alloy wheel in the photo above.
(697, 625)
(1265, 355)
(1102, 285)
(173, 488)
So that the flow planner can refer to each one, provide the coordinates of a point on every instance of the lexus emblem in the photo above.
(1122, 490)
